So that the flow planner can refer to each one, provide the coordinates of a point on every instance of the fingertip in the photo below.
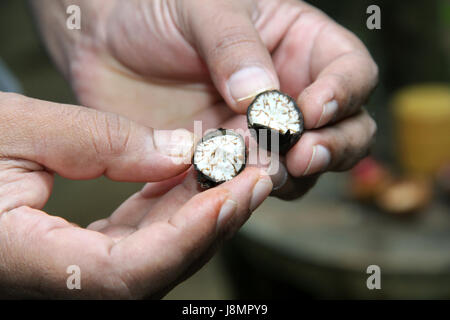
(300, 156)
(317, 104)
(241, 186)
(339, 89)
(199, 212)
(215, 196)
(261, 190)
(278, 173)
(251, 187)
(249, 174)
(319, 161)
(245, 84)
(178, 145)
(239, 62)
(202, 210)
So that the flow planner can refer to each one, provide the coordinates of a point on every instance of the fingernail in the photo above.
(328, 111)
(278, 174)
(226, 212)
(248, 82)
(261, 191)
(320, 160)
(177, 144)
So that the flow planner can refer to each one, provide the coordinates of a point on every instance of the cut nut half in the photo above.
(275, 115)
(219, 156)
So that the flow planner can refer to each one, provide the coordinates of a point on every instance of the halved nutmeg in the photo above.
(276, 117)
(219, 156)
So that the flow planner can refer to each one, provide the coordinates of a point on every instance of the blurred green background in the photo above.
(321, 245)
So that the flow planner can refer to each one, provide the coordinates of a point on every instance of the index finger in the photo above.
(340, 89)
(330, 72)
(160, 252)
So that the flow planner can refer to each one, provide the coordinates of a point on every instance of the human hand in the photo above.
(185, 57)
(154, 240)
(296, 173)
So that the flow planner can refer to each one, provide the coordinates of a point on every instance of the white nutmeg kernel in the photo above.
(219, 156)
(276, 111)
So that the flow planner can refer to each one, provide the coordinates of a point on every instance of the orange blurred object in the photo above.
(405, 196)
(373, 183)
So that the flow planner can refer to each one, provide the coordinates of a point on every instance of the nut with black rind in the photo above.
(219, 156)
(273, 114)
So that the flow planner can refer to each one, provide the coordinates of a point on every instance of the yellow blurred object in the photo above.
(422, 127)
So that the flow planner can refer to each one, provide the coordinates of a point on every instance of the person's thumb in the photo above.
(81, 143)
(225, 36)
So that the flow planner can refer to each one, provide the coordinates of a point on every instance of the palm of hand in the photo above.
(154, 240)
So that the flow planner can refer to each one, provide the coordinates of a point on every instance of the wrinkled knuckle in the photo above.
(230, 40)
(110, 133)
(118, 133)
(83, 120)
